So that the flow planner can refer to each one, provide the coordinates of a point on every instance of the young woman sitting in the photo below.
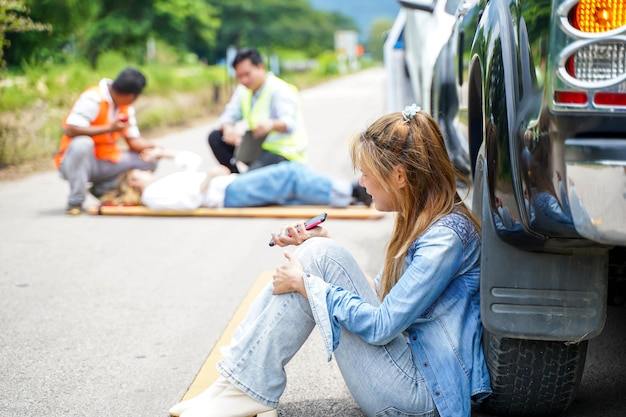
(408, 344)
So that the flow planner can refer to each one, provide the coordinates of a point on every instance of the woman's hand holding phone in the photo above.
(295, 234)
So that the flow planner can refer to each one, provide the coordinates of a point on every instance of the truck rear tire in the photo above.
(532, 377)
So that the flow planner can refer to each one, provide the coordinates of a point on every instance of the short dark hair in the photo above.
(248, 53)
(129, 81)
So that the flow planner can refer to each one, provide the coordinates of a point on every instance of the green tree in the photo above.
(191, 23)
(271, 24)
(67, 19)
(126, 25)
(86, 29)
(14, 18)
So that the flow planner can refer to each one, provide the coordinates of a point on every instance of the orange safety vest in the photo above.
(106, 143)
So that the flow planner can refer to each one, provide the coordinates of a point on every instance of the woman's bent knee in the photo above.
(320, 245)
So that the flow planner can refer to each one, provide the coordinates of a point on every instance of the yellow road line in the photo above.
(208, 373)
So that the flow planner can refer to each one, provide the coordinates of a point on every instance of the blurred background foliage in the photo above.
(51, 50)
(87, 29)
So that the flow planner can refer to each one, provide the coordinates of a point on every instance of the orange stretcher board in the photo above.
(297, 212)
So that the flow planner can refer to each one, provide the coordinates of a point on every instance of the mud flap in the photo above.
(540, 296)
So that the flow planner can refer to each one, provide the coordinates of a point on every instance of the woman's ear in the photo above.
(399, 176)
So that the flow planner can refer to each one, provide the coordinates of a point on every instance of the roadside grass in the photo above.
(34, 101)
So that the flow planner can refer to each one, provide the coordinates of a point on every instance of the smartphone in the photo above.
(309, 224)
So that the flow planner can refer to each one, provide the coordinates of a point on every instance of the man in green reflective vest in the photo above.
(271, 108)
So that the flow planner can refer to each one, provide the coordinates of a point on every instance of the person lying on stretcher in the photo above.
(285, 183)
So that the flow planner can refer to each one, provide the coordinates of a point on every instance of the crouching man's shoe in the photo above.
(74, 209)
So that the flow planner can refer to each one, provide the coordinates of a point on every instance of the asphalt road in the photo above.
(105, 315)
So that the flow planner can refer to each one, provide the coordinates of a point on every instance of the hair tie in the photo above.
(409, 112)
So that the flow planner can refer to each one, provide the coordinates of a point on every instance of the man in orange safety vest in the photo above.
(89, 151)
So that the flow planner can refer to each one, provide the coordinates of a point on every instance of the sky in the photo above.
(364, 12)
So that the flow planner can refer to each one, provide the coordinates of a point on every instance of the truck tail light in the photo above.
(609, 99)
(573, 98)
(598, 15)
(589, 68)
(598, 62)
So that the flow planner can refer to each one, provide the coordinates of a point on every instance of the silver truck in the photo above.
(532, 94)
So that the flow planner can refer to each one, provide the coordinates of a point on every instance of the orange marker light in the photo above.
(598, 15)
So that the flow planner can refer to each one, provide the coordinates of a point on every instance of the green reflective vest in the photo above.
(290, 145)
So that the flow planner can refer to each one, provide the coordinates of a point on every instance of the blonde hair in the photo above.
(418, 146)
(123, 193)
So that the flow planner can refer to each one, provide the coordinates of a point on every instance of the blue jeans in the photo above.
(286, 183)
(383, 380)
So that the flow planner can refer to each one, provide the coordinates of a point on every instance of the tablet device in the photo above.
(249, 148)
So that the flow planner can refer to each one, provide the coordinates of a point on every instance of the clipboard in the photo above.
(249, 148)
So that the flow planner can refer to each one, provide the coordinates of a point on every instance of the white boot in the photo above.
(203, 398)
(231, 402)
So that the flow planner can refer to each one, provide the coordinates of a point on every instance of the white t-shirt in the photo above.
(181, 190)
(87, 107)
(215, 193)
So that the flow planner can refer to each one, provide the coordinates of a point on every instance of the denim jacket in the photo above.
(436, 304)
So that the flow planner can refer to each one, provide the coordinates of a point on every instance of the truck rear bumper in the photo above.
(596, 174)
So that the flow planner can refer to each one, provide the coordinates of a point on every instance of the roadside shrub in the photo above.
(328, 64)
(111, 63)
